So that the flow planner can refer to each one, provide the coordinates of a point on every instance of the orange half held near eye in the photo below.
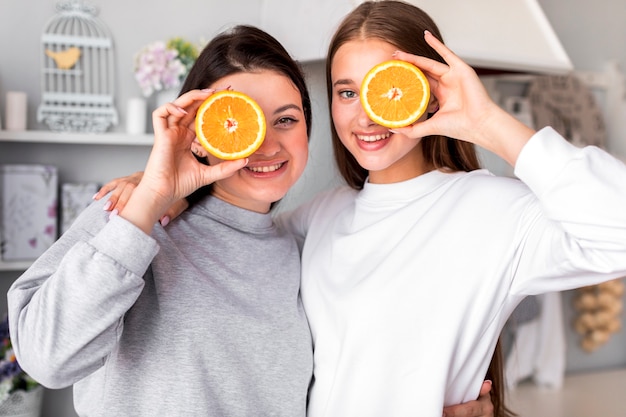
(230, 125)
(395, 94)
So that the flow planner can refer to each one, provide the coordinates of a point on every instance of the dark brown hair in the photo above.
(244, 49)
(402, 25)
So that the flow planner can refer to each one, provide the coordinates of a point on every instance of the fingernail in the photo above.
(113, 213)
(107, 205)
(207, 90)
(94, 196)
(392, 131)
(395, 53)
(165, 220)
(182, 110)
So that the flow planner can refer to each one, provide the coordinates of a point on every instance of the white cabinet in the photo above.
(79, 157)
(511, 35)
(507, 35)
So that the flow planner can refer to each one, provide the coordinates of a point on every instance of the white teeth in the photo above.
(373, 138)
(267, 168)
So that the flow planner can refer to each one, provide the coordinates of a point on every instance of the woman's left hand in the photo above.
(466, 111)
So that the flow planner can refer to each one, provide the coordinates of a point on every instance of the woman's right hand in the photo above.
(172, 171)
(121, 189)
(481, 407)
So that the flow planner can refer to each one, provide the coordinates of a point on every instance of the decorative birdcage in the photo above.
(77, 75)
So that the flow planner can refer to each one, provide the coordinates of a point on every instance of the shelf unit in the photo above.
(14, 266)
(72, 138)
(608, 84)
(43, 136)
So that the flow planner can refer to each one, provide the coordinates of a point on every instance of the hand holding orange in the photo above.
(395, 94)
(230, 125)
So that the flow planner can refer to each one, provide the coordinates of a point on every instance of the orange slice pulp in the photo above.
(230, 125)
(395, 93)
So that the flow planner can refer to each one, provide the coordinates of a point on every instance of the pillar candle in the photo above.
(136, 113)
(16, 110)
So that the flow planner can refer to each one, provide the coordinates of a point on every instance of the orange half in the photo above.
(395, 94)
(230, 125)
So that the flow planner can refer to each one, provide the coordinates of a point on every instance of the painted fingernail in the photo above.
(113, 213)
(107, 205)
(94, 196)
(182, 110)
(165, 220)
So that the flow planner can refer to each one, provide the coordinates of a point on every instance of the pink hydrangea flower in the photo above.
(157, 68)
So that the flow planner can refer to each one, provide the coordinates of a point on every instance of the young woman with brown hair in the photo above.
(204, 317)
(415, 266)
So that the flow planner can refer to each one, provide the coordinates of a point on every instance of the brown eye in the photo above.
(286, 121)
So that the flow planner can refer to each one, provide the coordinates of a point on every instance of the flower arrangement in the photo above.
(161, 66)
(12, 377)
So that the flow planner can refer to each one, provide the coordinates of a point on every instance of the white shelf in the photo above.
(44, 136)
(15, 266)
(73, 138)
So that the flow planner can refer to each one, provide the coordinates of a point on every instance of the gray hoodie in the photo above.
(202, 318)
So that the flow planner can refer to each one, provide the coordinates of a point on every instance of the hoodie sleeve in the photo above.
(66, 311)
(576, 229)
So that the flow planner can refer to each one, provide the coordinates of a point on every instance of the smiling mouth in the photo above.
(373, 138)
(266, 168)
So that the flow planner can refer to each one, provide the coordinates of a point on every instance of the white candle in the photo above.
(136, 113)
(16, 110)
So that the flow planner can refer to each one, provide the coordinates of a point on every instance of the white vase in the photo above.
(23, 403)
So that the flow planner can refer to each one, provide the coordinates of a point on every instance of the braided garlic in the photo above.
(599, 308)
